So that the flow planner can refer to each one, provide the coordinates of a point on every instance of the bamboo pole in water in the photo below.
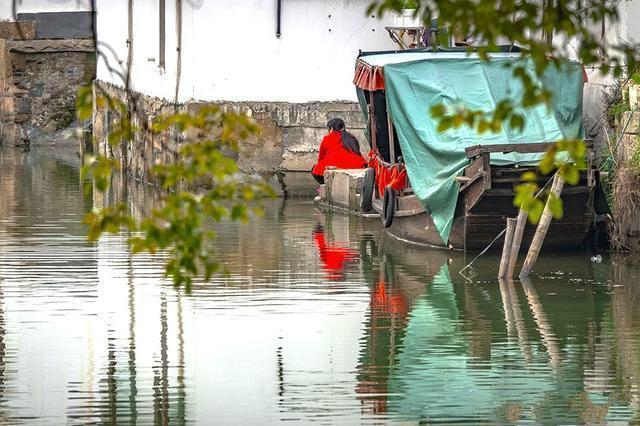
(541, 230)
(549, 339)
(506, 248)
(517, 241)
(513, 317)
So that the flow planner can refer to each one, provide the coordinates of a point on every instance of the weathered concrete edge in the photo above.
(283, 154)
(51, 46)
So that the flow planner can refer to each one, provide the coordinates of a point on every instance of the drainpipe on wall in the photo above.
(178, 49)
(129, 44)
(278, 17)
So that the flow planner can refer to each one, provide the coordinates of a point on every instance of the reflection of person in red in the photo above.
(334, 258)
(338, 149)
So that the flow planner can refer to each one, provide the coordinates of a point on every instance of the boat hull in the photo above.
(483, 224)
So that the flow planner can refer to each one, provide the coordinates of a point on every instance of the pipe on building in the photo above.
(278, 17)
(178, 49)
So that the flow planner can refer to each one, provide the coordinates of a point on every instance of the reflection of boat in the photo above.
(460, 185)
(454, 352)
(399, 277)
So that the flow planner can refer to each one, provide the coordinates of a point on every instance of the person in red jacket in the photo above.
(339, 149)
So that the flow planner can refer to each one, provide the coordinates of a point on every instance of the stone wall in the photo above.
(283, 153)
(39, 80)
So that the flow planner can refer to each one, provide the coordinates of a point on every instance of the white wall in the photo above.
(231, 52)
(32, 6)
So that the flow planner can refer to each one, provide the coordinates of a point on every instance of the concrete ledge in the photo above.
(51, 46)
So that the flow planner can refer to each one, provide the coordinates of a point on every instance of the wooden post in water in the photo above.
(517, 241)
(506, 248)
(541, 230)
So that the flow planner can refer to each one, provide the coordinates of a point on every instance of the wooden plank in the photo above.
(522, 148)
(474, 190)
(486, 168)
(372, 123)
(469, 181)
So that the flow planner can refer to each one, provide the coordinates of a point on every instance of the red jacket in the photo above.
(332, 153)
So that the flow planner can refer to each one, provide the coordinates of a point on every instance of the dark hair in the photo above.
(349, 142)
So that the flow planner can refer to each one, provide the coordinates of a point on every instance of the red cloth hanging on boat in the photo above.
(333, 153)
(368, 77)
(387, 175)
(398, 180)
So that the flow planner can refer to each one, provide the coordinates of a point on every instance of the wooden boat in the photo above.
(485, 193)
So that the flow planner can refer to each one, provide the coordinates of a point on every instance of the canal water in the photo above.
(319, 319)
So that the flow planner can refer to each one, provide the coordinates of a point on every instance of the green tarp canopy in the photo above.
(415, 82)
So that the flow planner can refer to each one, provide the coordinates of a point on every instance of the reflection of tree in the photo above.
(182, 395)
(160, 373)
(3, 346)
(112, 386)
(133, 389)
(163, 411)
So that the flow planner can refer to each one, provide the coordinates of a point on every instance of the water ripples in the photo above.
(319, 318)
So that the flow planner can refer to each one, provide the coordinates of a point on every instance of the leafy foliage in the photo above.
(531, 25)
(202, 185)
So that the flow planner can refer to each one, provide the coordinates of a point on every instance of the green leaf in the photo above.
(570, 174)
(445, 124)
(555, 206)
(535, 209)
(517, 122)
(438, 111)
(547, 164)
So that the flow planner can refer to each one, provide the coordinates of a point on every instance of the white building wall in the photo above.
(33, 6)
(230, 51)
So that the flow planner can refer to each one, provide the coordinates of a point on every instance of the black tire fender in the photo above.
(388, 206)
(366, 192)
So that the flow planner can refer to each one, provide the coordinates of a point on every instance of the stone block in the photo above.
(343, 187)
(20, 30)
